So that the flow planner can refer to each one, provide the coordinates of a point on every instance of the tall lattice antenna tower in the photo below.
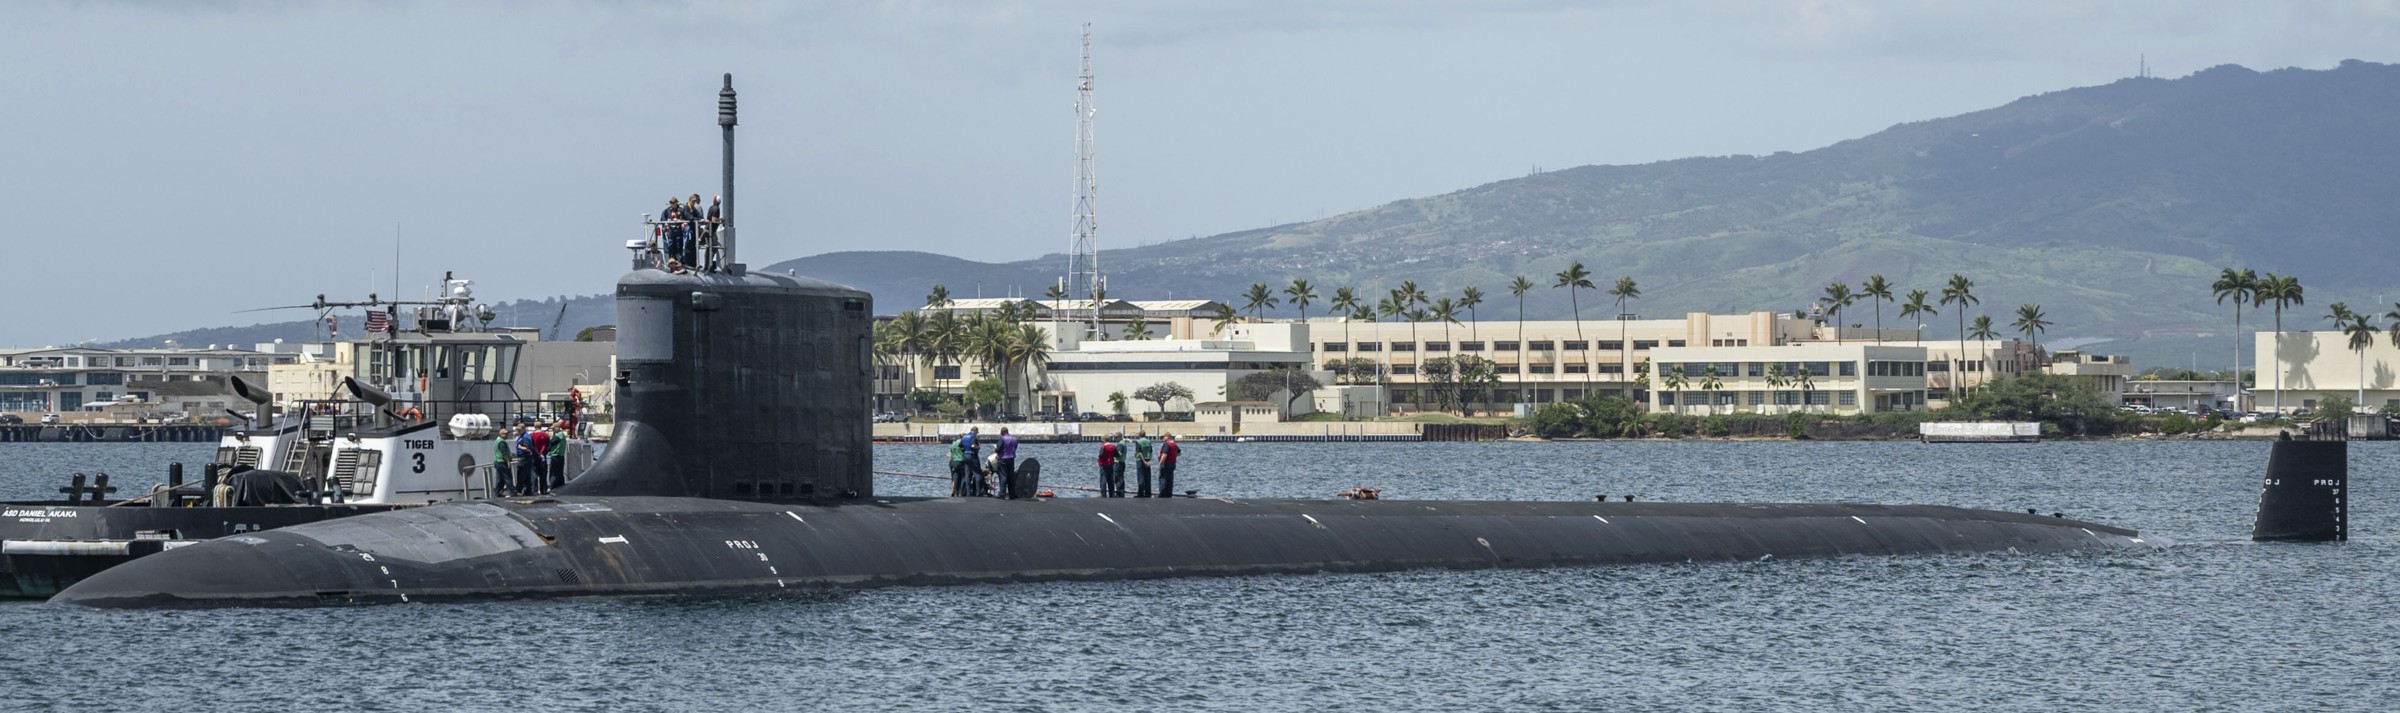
(1083, 258)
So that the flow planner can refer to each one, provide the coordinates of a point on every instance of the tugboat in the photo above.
(419, 429)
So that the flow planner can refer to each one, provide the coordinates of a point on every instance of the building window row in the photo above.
(1895, 368)
(1155, 366)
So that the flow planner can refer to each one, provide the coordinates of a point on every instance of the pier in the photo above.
(111, 433)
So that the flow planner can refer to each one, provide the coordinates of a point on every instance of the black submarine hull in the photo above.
(575, 547)
(46, 547)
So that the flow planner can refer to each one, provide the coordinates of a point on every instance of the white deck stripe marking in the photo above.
(1312, 520)
(1104, 516)
(614, 539)
(1855, 517)
(795, 516)
(1603, 520)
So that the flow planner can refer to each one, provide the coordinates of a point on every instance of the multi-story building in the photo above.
(1533, 362)
(2107, 373)
(1081, 375)
(2180, 394)
(1816, 377)
(71, 378)
(2296, 370)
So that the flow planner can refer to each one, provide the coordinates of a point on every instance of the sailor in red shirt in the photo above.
(1168, 452)
(1112, 478)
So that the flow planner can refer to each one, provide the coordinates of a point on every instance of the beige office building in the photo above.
(2305, 367)
(1819, 377)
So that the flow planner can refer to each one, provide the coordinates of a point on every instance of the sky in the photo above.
(175, 162)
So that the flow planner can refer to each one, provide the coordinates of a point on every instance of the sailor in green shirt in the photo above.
(1141, 462)
(500, 465)
(958, 469)
(555, 458)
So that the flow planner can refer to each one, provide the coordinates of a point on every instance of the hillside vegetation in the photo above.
(2112, 206)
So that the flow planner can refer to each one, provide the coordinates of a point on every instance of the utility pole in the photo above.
(1083, 256)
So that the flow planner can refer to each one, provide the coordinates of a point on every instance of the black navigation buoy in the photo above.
(2305, 497)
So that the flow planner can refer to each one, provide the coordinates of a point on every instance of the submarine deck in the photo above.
(588, 546)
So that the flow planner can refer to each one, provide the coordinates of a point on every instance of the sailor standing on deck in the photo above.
(1005, 466)
(501, 467)
(715, 220)
(1168, 452)
(1112, 472)
(974, 453)
(529, 445)
(1141, 464)
(554, 460)
(670, 222)
(700, 231)
(958, 469)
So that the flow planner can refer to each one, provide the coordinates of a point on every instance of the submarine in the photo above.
(742, 464)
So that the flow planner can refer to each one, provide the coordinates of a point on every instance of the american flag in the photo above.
(377, 321)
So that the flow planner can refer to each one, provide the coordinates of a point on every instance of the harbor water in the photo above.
(2211, 622)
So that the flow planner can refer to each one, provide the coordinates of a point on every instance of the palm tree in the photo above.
(1671, 378)
(1445, 311)
(1982, 331)
(2362, 334)
(1258, 300)
(1880, 291)
(1390, 307)
(1838, 296)
(1467, 299)
(1576, 278)
(1709, 384)
(2283, 291)
(2030, 322)
(1624, 290)
(909, 334)
(1345, 301)
(1364, 313)
(1410, 295)
(939, 299)
(1917, 307)
(2240, 286)
(1137, 328)
(1224, 314)
(945, 338)
(1032, 346)
(1301, 293)
(1962, 291)
(1057, 294)
(1521, 285)
(2394, 316)
(1777, 378)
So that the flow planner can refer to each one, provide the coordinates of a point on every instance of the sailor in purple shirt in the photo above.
(1008, 464)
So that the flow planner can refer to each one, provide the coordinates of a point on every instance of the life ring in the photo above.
(411, 414)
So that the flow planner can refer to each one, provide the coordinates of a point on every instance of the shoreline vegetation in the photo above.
(2065, 407)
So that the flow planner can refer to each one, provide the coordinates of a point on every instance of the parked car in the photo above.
(1088, 416)
(10, 419)
(49, 418)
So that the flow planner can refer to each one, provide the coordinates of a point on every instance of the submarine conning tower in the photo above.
(738, 386)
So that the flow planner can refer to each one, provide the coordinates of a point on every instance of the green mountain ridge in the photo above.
(2113, 206)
